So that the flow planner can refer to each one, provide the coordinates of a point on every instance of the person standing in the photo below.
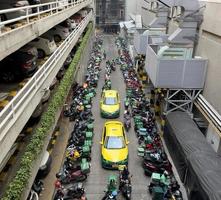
(104, 55)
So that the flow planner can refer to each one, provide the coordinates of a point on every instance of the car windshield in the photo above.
(110, 101)
(113, 142)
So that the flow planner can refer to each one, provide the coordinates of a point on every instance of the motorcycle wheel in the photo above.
(66, 113)
(150, 190)
(128, 196)
(105, 197)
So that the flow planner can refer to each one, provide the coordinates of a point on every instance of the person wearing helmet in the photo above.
(164, 178)
(80, 109)
(124, 176)
(125, 113)
(112, 186)
(104, 55)
(125, 172)
(107, 77)
(57, 183)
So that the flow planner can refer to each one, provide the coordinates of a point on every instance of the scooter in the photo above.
(111, 192)
(37, 186)
(150, 167)
(73, 192)
(67, 178)
(126, 189)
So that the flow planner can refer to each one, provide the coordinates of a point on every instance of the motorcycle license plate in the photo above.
(115, 166)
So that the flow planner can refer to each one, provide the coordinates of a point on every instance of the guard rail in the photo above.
(26, 97)
(211, 113)
(50, 8)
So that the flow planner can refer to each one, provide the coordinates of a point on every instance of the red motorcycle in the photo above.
(71, 177)
(150, 167)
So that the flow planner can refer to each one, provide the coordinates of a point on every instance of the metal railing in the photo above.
(12, 111)
(25, 12)
(210, 111)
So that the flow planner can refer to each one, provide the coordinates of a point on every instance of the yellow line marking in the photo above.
(3, 175)
(12, 160)
(29, 130)
(12, 93)
(21, 84)
(57, 133)
(50, 151)
(53, 141)
(3, 103)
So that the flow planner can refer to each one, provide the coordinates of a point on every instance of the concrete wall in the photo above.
(210, 47)
(139, 7)
(131, 7)
(213, 138)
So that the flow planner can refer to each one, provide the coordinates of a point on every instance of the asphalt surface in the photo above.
(97, 180)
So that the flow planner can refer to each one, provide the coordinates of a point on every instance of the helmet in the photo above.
(165, 173)
(177, 193)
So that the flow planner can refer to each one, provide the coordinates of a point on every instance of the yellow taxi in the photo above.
(114, 145)
(110, 104)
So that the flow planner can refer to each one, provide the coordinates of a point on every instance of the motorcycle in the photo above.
(125, 186)
(71, 177)
(37, 186)
(113, 67)
(107, 85)
(126, 103)
(150, 167)
(111, 192)
(73, 192)
(127, 122)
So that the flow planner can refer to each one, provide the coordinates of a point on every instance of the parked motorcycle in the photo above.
(71, 177)
(74, 192)
(38, 186)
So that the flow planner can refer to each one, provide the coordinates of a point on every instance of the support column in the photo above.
(180, 99)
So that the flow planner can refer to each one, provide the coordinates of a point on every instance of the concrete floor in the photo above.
(97, 180)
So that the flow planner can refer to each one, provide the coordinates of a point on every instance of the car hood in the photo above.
(115, 155)
(110, 108)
